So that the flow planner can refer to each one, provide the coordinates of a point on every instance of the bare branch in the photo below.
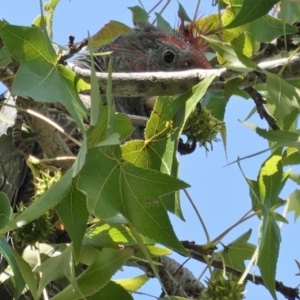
(172, 83)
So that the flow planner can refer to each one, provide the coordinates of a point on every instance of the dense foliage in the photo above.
(107, 207)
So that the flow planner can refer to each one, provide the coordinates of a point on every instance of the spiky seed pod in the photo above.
(220, 288)
(45, 181)
(40, 229)
(203, 127)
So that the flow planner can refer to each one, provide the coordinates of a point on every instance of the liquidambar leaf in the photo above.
(271, 180)
(6, 251)
(285, 96)
(273, 28)
(97, 275)
(294, 203)
(73, 213)
(139, 15)
(39, 76)
(252, 10)
(5, 210)
(114, 186)
(269, 243)
(238, 251)
(106, 34)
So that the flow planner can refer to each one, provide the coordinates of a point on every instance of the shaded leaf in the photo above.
(285, 96)
(5, 210)
(163, 24)
(269, 242)
(26, 272)
(139, 15)
(238, 251)
(8, 254)
(73, 213)
(273, 28)
(5, 58)
(182, 15)
(56, 267)
(43, 203)
(111, 291)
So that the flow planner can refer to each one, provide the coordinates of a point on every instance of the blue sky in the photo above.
(220, 193)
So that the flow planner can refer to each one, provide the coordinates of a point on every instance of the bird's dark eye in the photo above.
(169, 56)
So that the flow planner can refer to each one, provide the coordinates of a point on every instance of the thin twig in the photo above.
(198, 215)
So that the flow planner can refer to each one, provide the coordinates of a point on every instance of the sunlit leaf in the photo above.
(294, 203)
(252, 10)
(107, 33)
(134, 283)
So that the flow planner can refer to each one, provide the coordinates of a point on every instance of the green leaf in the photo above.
(114, 186)
(44, 203)
(97, 275)
(8, 254)
(139, 15)
(238, 251)
(133, 284)
(39, 70)
(235, 59)
(295, 177)
(163, 24)
(281, 137)
(252, 10)
(5, 58)
(26, 273)
(285, 96)
(5, 210)
(111, 291)
(182, 15)
(294, 204)
(108, 235)
(56, 267)
(269, 242)
(107, 33)
(49, 7)
(73, 213)
(244, 43)
(270, 180)
(273, 28)
(254, 194)
(162, 132)
(290, 156)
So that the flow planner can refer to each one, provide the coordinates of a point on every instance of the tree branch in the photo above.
(287, 292)
(172, 83)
